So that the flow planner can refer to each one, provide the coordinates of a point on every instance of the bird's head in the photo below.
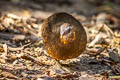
(67, 33)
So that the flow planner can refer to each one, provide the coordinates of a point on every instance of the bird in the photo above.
(63, 36)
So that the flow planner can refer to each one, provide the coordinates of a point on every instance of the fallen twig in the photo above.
(17, 48)
(97, 38)
(92, 52)
(8, 36)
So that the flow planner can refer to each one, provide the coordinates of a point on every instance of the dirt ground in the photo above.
(23, 57)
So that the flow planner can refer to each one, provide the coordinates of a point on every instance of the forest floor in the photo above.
(23, 57)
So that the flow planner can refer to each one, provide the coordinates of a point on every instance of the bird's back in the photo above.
(63, 36)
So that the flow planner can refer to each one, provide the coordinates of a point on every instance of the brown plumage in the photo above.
(63, 36)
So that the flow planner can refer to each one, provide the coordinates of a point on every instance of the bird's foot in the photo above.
(60, 68)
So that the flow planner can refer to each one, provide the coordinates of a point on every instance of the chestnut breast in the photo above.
(63, 36)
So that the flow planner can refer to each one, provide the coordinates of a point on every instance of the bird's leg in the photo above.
(58, 67)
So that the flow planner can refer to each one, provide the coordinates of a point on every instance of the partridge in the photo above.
(63, 36)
